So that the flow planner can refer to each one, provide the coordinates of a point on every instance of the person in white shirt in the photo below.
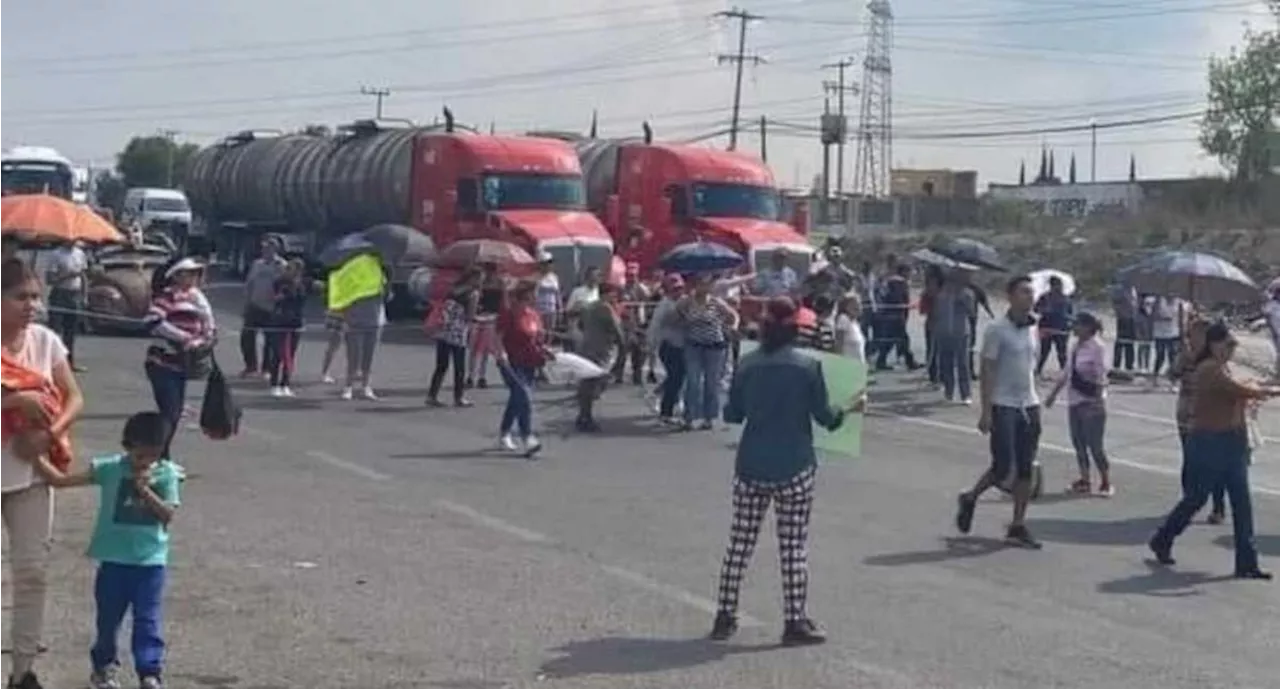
(28, 501)
(65, 278)
(850, 340)
(1271, 310)
(586, 293)
(1167, 315)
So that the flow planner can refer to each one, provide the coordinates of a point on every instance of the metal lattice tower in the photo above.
(875, 123)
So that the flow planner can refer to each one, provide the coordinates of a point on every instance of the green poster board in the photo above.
(845, 377)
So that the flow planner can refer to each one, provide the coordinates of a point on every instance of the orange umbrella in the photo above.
(44, 219)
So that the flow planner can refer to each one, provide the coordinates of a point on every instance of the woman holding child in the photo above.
(41, 401)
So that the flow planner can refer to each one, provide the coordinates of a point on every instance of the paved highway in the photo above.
(383, 545)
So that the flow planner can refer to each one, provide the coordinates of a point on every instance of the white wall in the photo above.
(1073, 200)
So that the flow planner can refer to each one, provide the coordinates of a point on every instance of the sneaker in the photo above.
(1254, 574)
(463, 402)
(803, 633)
(482, 383)
(286, 391)
(1106, 490)
(706, 425)
(1163, 553)
(151, 682)
(367, 393)
(27, 681)
(964, 515)
(434, 402)
(277, 391)
(1018, 535)
(724, 627)
(105, 678)
(346, 393)
(532, 446)
(967, 401)
(469, 383)
(1215, 518)
(248, 372)
(507, 442)
(327, 379)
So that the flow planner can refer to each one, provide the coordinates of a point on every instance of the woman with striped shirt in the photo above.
(707, 321)
(181, 320)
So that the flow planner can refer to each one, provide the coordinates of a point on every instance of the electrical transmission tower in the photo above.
(740, 58)
(875, 124)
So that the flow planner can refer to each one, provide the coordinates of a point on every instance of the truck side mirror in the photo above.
(664, 212)
(613, 212)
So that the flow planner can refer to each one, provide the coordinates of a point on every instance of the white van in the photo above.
(157, 211)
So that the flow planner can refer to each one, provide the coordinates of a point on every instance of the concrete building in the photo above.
(942, 183)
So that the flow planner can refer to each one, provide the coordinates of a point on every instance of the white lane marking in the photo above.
(502, 525)
(1153, 468)
(1162, 420)
(347, 465)
(676, 594)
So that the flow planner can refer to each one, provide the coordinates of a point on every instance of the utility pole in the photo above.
(1093, 150)
(378, 94)
(740, 58)
(840, 87)
(168, 135)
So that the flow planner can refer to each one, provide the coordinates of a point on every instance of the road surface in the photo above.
(382, 545)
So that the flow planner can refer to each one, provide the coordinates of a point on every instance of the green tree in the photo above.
(1244, 103)
(154, 161)
(108, 191)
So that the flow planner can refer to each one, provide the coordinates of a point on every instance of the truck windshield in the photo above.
(163, 205)
(718, 200)
(36, 177)
(511, 191)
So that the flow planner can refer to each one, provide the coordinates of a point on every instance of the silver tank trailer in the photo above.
(599, 161)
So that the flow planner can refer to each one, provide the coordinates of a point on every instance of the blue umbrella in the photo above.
(1194, 276)
(700, 257)
(346, 248)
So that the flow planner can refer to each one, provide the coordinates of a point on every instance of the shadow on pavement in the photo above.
(1162, 582)
(1133, 532)
(1266, 545)
(954, 548)
(562, 424)
(616, 655)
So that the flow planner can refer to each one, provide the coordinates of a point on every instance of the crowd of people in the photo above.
(681, 334)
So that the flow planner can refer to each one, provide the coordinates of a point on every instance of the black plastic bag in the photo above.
(219, 413)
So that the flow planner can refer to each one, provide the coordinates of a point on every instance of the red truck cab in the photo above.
(668, 194)
(524, 190)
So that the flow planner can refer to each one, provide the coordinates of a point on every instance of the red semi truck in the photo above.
(654, 196)
(451, 183)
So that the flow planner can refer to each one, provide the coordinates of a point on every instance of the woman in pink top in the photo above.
(1086, 403)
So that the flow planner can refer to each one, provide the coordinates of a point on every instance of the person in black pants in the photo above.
(452, 329)
(891, 323)
(1056, 314)
(285, 333)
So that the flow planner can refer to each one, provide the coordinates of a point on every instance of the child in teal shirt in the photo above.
(139, 495)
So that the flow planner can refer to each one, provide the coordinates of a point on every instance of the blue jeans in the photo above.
(519, 410)
(169, 388)
(672, 358)
(952, 353)
(116, 589)
(1216, 459)
(704, 367)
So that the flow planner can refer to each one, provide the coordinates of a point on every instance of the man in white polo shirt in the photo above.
(1010, 407)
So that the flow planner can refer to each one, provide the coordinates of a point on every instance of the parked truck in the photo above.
(308, 189)
(653, 196)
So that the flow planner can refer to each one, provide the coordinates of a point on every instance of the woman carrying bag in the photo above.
(181, 320)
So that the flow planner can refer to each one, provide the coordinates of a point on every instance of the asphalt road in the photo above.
(383, 545)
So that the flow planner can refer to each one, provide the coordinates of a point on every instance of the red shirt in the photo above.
(521, 330)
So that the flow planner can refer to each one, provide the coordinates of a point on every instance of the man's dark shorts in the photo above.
(1015, 438)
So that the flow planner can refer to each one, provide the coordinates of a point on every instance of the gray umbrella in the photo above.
(1196, 277)
(400, 245)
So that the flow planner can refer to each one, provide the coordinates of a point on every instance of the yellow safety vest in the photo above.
(359, 278)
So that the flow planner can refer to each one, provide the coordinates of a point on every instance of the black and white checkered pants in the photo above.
(793, 503)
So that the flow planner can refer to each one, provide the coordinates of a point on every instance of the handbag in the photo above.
(1081, 384)
(219, 414)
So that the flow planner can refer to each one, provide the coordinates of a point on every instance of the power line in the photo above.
(840, 86)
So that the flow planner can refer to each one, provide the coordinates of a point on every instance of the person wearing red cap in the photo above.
(777, 392)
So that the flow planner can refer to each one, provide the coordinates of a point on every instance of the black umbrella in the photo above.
(401, 245)
(346, 248)
(970, 251)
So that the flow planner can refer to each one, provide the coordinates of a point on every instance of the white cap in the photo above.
(187, 264)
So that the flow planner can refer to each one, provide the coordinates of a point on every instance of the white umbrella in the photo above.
(567, 367)
(1040, 281)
